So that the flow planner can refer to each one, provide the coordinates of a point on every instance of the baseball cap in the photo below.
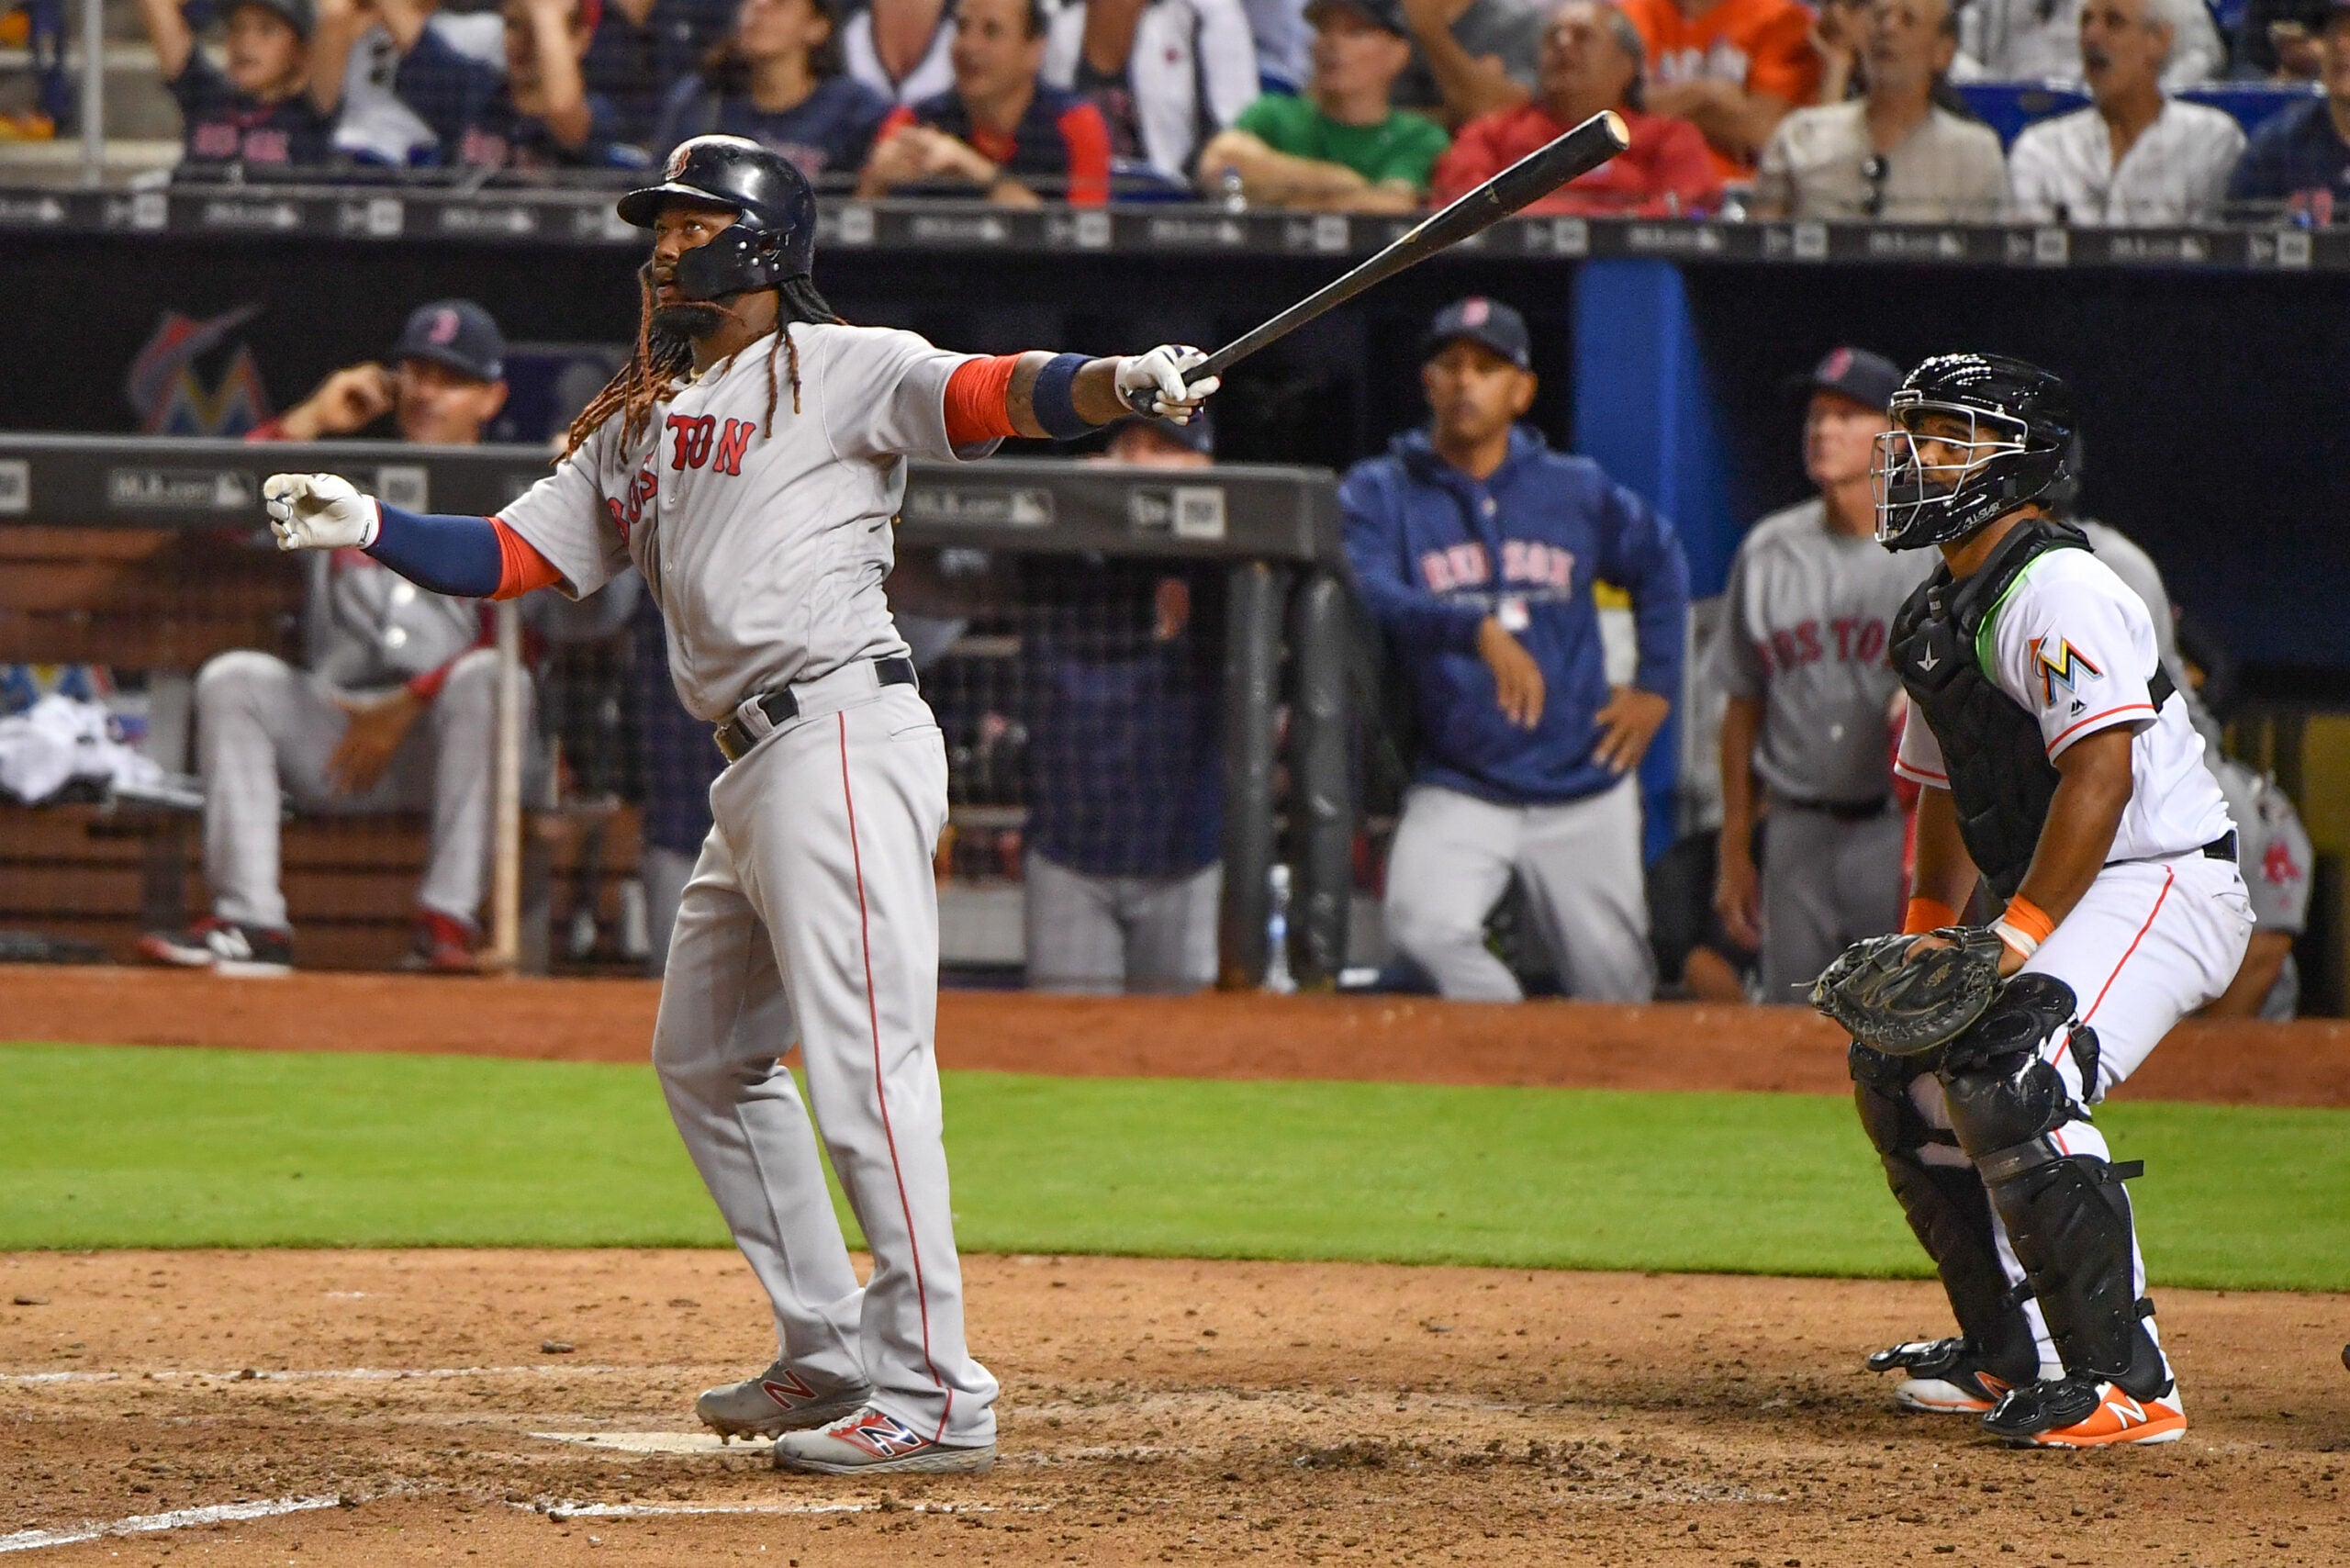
(1386, 14)
(299, 15)
(1197, 436)
(1478, 320)
(457, 334)
(1863, 376)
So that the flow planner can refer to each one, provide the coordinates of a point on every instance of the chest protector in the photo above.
(2000, 778)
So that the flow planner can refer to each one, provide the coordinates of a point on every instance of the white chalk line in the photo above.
(148, 1524)
(563, 1513)
(337, 1374)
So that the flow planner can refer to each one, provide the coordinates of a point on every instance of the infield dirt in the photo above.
(1153, 1411)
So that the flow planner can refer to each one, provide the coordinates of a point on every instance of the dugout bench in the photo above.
(150, 554)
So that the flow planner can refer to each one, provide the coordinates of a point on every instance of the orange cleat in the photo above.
(2087, 1413)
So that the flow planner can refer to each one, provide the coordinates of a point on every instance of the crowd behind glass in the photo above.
(2112, 112)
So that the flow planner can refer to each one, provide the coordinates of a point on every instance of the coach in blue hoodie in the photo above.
(1475, 547)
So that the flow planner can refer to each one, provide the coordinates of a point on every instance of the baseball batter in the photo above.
(749, 461)
(1803, 661)
(2058, 765)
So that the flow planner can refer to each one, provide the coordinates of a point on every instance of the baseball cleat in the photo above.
(871, 1442)
(223, 946)
(778, 1400)
(1945, 1380)
(2084, 1411)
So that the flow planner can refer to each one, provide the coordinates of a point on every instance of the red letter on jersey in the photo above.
(732, 445)
(682, 426)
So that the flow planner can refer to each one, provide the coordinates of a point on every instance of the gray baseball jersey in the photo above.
(2273, 849)
(765, 551)
(810, 912)
(1804, 633)
(366, 628)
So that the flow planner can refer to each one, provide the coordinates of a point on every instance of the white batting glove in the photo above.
(1153, 383)
(320, 511)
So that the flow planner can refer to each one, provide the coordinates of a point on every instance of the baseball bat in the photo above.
(1535, 175)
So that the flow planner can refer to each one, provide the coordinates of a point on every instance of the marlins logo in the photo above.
(2060, 663)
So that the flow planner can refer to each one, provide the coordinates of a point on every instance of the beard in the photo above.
(688, 320)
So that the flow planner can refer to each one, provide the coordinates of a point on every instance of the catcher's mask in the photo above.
(1998, 430)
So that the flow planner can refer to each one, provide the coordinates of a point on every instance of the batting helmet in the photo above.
(773, 236)
(2013, 424)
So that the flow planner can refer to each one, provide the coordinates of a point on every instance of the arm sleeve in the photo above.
(447, 90)
(1374, 532)
(1736, 667)
(569, 521)
(199, 87)
(1783, 62)
(2032, 179)
(1919, 756)
(1641, 553)
(2075, 646)
(882, 394)
(447, 554)
(1266, 120)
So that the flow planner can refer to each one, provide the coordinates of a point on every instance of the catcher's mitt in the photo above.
(1905, 1009)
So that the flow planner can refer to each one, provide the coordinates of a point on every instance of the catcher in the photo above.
(2060, 770)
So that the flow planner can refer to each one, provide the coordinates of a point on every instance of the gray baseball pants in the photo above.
(812, 914)
(1103, 935)
(1578, 861)
(1826, 884)
(263, 728)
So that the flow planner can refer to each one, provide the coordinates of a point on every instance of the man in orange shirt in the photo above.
(1590, 61)
(1731, 67)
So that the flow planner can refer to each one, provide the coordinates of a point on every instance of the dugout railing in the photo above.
(194, 586)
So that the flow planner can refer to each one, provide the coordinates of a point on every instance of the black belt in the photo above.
(781, 707)
(1842, 810)
(2222, 848)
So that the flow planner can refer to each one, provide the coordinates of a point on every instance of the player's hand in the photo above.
(1517, 679)
(1738, 896)
(318, 512)
(1153, 383)
(352, 398)
(2010, 958)
(378, 726)
(1627, 722)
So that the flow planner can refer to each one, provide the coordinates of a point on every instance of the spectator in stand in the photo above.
(1122, 664)
(1470, 57)
(2038, 41)
(1893, 153)
(355, 62)
(1733, 68)
(1591, 61)
(1838, 32)
(2281, 41)
(1802, 656)
(1285, 44)
(640, 49)
(257, 112)
(2298, 161)
(1474, 547)
(535, 114)
(2135, 157)
(903, 50)
(1341, 147)
(777, 80)
(1160, 71)
(396, 709)
(1000, 128)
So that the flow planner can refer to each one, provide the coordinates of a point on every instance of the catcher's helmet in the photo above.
(2014, 427)
(773, 236)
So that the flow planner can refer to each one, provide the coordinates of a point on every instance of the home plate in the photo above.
(660, 1442)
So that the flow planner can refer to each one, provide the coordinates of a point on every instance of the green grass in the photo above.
(129, 1147)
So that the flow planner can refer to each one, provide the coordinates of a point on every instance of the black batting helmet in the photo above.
(773, 236)
(2017, 437)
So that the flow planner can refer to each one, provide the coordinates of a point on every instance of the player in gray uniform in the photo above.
(749, 461)
(1801, 656)
(395, 706)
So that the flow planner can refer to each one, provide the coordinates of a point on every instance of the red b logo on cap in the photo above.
(445, 326)
(1474, 311)
(1836, 365)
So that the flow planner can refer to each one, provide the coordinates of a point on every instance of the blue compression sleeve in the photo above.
(439, 551)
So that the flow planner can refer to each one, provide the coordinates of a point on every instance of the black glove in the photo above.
(1904, 1004)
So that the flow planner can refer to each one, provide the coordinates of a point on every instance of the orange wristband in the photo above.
(2024, 925)
(1926, 914)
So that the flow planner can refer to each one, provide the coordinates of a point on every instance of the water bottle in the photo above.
(1277, 980)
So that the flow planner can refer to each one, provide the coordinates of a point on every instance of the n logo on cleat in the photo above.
(881, 1435)
(788, 1389)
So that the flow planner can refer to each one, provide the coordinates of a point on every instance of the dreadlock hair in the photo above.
(660, 358)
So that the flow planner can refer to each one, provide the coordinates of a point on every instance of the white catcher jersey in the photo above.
(765, 550)
(2074, 645)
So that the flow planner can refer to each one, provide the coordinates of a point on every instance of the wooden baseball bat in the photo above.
(1535, 175)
